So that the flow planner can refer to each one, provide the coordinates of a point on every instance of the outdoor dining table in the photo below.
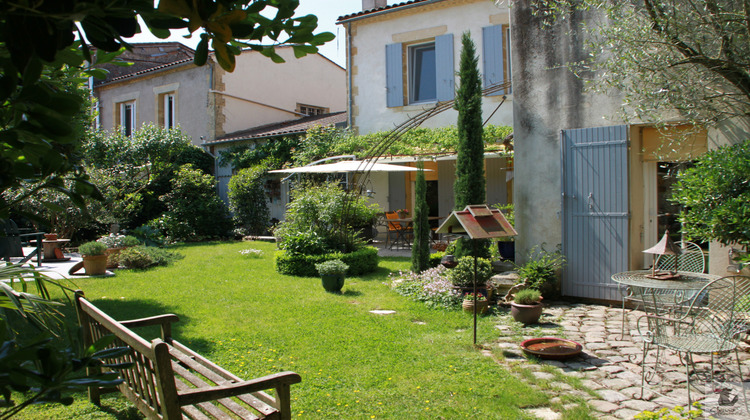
(407, 226)
(659, 295)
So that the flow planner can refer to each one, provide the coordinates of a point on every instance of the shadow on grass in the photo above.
(139, 308)
(350, 293)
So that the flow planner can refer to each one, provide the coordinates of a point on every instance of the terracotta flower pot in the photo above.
(468, 306)
(50, 236)
(526, 314)
(95, 265)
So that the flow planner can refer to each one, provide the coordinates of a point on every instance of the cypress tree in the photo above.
(420, 250)
(470, 184)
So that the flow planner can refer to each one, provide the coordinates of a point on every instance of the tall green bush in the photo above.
(715, 195)
(469, 187)
(314, 219)
(420, 251)
(247, 200)
(194, 210)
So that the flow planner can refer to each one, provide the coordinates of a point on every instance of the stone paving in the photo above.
(608, 372)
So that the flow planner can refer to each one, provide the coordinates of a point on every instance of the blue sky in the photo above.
(327, 12)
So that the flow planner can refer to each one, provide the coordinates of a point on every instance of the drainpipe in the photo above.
(350, 79)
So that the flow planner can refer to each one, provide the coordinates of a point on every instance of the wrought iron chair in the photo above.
(12, 242)
(691, 260)
(708, 325)
(396, 229)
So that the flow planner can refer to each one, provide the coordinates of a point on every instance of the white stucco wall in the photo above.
(261, 90)
(370, 35)
(191, 85)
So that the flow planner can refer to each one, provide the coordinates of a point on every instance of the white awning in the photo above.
(345, 166)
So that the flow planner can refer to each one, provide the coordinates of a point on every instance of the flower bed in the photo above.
(431, 287)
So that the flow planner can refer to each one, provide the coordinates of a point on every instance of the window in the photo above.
(496, 56)
(422, 74)
(167, 116)
(429, 72)
(126, 117)
(311, 109)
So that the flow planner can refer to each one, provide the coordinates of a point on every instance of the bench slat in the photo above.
(226, 402)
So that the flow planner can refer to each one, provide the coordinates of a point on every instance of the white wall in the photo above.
(311, 80)
(371, 35)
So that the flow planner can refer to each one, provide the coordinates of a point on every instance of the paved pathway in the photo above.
(609, 365)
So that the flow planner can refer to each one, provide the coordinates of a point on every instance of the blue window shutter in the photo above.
(394, 75)
(444, 67)
(492, 56)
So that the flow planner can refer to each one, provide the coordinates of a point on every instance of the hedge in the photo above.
(360, 262)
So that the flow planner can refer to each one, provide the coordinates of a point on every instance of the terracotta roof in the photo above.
(364, 13)
(147, 57)
(297, 126)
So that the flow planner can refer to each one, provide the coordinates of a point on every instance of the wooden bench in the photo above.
(169, 381)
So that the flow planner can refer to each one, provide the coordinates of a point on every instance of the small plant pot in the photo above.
(50, 236)
(468, 306)
(526, 314)
(95, 265)
(333, 282)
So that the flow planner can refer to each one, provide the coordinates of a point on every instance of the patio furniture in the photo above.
(12, 242)
(690, 260)
(170, 381)
(399, 228)
(708, 325)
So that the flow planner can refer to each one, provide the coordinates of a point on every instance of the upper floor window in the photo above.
(126, 117)
(167, 116)
(428, 76)
(311, 109)
(422, 73)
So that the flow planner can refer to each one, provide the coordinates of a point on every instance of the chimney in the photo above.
(373, 4)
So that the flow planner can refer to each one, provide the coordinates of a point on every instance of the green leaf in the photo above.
(201, 51)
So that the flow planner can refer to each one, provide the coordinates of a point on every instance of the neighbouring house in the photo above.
(403, 59)
(165, 87)
(277, 191)
(585, 180)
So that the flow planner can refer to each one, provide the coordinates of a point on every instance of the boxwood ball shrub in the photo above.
(463, 273)
(362, 261)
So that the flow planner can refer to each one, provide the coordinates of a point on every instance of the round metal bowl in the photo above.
(551, 348)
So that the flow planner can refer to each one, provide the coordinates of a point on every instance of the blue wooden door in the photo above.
(595, 210)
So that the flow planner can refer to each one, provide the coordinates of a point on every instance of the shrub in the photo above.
(148, 235)
(323, 218)
(540, 272)
(360, 262)
(194, 210)
(715, 195)
(118, 241)
(140, 257)
(431, 287)
(331, 267)
(463, 273)
(436, 258)
(247, 200)
(92, 248)
(527, 297)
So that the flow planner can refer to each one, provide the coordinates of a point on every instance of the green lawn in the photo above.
(237, 311)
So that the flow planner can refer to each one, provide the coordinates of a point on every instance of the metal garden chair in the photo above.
(691, 260)
(710, 325)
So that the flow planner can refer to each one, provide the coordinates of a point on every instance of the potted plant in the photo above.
(462, 276)
(115, 243)
(526, 306)
(94, 258)
(332, 274)
(541, 271)
(468, 303)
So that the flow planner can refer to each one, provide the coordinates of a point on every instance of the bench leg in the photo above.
(283, 400)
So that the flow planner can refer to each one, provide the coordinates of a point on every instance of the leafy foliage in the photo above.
(313, 223)
(92, 248)
(684, 55)
(247, 200)
(420, 251)
(527, 297)
(430, 286)
(194, 210)
(331, 267)
(361, 261)
(463, 273)
(540, 272)
(142, 257)
(715, 195)
(273, 154)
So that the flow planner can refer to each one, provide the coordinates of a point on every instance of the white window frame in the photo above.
(127, 125)
(169, 101)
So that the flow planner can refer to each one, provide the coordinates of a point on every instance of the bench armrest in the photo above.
(165, 321)
(197, 395)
